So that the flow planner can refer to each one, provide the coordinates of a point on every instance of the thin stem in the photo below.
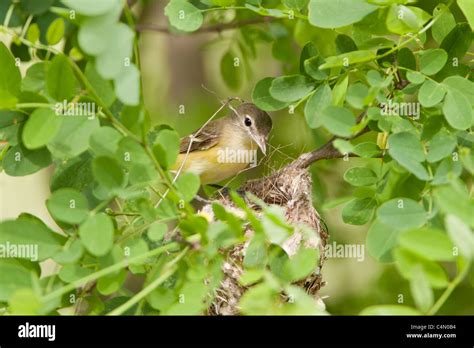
(108, 270)
(33, 105)
(8, 15)
(406, 42)
(169, 269)
(445, 295)
(144, 292)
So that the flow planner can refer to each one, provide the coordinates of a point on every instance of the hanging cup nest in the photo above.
(290, 188)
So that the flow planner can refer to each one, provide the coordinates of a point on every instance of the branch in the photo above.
(217, 28)
(327, 151)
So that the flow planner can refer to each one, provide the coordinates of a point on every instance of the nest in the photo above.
(291, 189)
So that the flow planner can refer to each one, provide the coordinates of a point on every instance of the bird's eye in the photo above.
(248, 121)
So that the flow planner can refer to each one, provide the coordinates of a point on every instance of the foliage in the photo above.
(390, 79)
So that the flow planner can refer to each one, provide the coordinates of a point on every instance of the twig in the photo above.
(327, 151)
(216, 28)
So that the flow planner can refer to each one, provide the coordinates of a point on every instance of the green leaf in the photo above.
(230, 71)
(127, 86)
(345, 44)
(108, 173)
(73, 136)
(275, 226)
(104, 141)
(295, 4)
(343, 146)
(447, 170)
(389, 310)
(91, 7)
(110, 64)
(130, 153)
(183, 15)
(188, 185)
(360, 176)
(40, 129)
(35, 7)
(70, 253)
(338, 120)
(262, 98)
(359, 211)
(72, 272)
(406, 59)
(457, 110)
(136, 119)
(404, 213)
(112, 282)
(25, 302)
(134, 247)
(60, 80)
(467, 8)
(421, 290)
(440, 146)
(68, 205)
(454, 201)
(291, 88)
(349, 58)
(443, 25)
(94, 44)
(337, 13)
(461, 235)
(381, 239)
(19, 161)
(34, 80)
(102, 87)
(10, 79)
(55, 31)
(259, 300)
(461, 85)
(74, 173)
(41, 243)
(157, 231)
(405, 19)
(321, 98)
(166, 147)
(33, 33)
(407, 262)
(431, 93)
(14, 277)
(432, 61)
(312, 68)
(251, 276)
(356, 95)
(256, 253)
(428, 243)
(302, 264)
(467, 159)
(458, 41)
(97, 234)
(415, 77)
(339, 90)
(367, 150)
(406, 149)
(10, 123)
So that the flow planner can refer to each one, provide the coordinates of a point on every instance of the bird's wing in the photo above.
(205, 139)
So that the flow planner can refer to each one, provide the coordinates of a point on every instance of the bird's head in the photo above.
(254, 122)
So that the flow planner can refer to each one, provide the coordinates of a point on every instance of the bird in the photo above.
(225, 146)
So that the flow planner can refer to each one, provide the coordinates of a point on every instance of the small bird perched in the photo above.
(225, 146)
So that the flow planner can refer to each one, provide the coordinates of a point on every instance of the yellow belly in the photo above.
(216, 164)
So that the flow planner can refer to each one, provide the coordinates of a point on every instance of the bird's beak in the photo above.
(261, 142)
